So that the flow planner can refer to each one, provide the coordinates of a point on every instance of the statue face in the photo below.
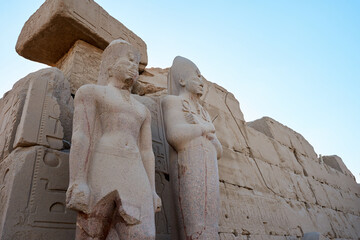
(194, 84)
(126, 68)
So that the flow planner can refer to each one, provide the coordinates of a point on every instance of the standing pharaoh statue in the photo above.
(112, 168)
(194, 152)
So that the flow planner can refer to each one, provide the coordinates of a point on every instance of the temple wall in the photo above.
(273, 184)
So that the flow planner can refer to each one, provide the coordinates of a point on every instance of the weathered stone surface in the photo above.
(313, 236)
(284, 135)
(47, 111)
(37, 111)
(11, 106)
(335, 162)
(194, 152)
(81, 65)
(112, 165)
(32, 195)
(54, 28)
(238, 169)
(226, 116)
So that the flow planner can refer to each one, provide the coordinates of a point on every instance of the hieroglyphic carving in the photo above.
(49, 184)
(40, 121)
(160, 146)
(165, 216)
(10, 109)
(34, 181)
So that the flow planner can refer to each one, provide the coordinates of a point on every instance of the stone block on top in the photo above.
(54, 28)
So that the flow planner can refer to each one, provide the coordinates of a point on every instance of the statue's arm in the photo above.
(178, 132)
(147, 156)
(80, 153)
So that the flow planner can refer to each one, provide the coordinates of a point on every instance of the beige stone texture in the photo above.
(238, 169)
(47, 113)
(11, 106)
(273, 186)
(81, 65)
(54, 28)
(37, 111)
(112, 164)
(194, 152)
(33, 182)
(284, 135)
(226, 115)
(335, 162)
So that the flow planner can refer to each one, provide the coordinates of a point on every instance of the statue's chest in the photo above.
(120, 109)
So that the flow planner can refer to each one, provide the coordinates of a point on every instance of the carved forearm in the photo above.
(148, 160)
(79, 158)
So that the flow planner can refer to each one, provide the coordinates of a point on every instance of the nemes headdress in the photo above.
(181, 68)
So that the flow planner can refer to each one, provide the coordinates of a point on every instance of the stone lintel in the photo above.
(54, 28)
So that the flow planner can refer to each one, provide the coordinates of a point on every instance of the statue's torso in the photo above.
(116, 156)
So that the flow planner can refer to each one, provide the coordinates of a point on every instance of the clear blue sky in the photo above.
(295, 61)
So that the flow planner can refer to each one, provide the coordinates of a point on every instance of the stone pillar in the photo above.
(34, 171)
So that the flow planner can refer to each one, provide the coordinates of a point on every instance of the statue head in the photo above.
(184, 75)
(119, 61)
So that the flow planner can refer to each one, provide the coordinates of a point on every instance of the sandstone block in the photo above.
(302, 188)
(284, 135)
(152, 82)
(81, 65)
(335, 162)
(239, 211)
(238, 169)
(37, 111)
(11, 106)
(34, 181)
(341, 225)
(354, 220)
(313, 168)
(320, 194)
(276, 179)
(54, 28)
(261, 147)
(231, 132)
(220, 98)
(320, 221)
(252, 214)
(287, 157)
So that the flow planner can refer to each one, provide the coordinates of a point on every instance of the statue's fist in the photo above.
(78, 196)
(157, 202)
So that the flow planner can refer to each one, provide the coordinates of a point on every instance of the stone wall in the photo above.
(35, 140)
(273, 185)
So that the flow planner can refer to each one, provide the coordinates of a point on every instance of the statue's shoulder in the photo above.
(90, 91)
(170, 100)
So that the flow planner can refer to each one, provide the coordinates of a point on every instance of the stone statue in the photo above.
(193, 158)
(112, 169)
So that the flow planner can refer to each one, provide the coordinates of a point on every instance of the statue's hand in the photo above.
(208, 128)
(210, 136)
(78, 197)
(157, 202)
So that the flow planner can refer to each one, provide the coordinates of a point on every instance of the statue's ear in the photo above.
(182, 82)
